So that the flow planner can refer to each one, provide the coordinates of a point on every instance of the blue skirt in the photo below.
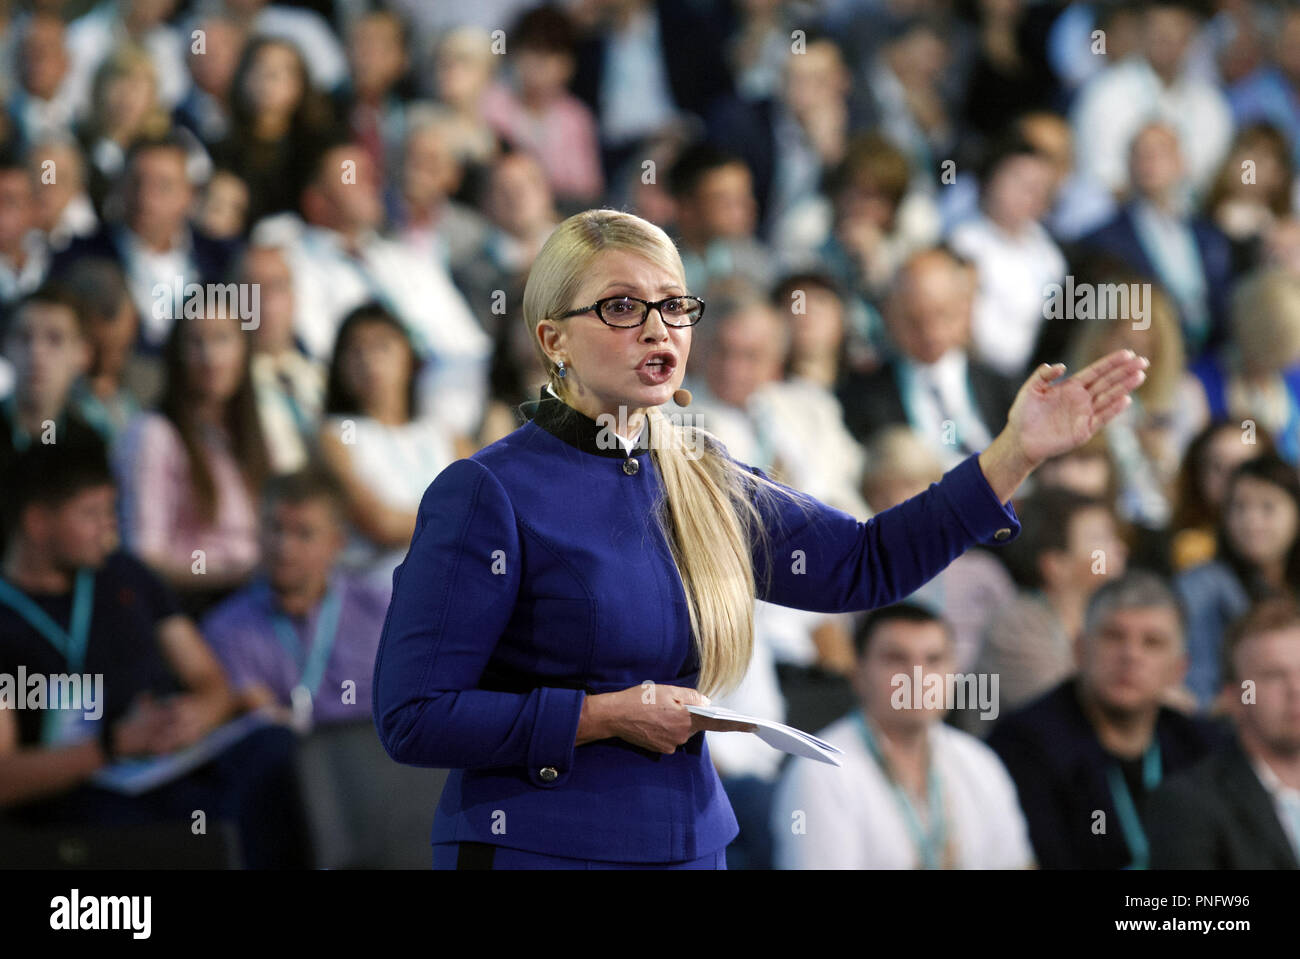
(478, 855)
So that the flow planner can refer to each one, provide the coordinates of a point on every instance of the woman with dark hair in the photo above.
(279, 124)
(1246, 207)
(1199, 488)
(375, 442)
(191, 471)
(1258, 557)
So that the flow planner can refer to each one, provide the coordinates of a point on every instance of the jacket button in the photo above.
(548, 774)
(630, 466)
(1002, 534)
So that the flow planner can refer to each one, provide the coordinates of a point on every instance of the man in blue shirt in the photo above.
(303, 637)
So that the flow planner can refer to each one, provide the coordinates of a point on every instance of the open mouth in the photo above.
(659, 361)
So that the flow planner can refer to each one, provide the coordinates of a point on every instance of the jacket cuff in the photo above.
(967, 490)
(550, 753)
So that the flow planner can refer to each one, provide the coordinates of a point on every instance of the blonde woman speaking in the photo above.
(572, 588)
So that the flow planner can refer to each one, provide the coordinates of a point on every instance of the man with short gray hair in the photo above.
(1086, 755)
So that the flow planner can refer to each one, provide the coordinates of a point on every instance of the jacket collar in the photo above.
(577, 429)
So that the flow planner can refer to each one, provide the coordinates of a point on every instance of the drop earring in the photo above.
(559, 368)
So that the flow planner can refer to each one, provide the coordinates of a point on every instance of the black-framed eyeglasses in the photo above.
(625, 312)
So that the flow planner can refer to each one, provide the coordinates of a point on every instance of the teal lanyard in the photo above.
(317, 658)
(1129, 821)
(70, 643)
(928, 843)
(20, 438)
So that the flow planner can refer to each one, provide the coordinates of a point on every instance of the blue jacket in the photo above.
(537, 575)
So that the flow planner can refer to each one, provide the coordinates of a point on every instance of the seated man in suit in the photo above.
(931, 382)
(155, 242)
(1087, 754)
(1157, 234)
(1240, 807)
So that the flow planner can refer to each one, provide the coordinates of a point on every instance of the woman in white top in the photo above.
(383, 453)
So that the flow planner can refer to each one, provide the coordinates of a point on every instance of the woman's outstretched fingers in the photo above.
(1116, 373)
(1122, 385)
(1112, 410)
(1048, 372)
(1100, 367)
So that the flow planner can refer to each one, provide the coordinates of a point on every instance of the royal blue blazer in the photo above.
(537, 575)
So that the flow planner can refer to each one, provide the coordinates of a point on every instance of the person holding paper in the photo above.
(571, 589)
(913, 793)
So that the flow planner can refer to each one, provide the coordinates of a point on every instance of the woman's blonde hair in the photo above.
(128, 58)
(1265, 311)
(711, 509)
(1164, 341)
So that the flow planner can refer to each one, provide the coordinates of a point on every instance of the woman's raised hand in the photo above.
(1049, 418)
(1053, 418)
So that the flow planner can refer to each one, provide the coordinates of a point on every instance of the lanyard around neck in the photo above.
(70, 642)
(929, 843)
(1129, 821)
(312, 666)
(20, 438)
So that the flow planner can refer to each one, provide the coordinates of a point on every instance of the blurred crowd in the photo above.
(261, 267)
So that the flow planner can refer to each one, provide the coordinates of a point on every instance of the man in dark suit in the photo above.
(1240, 807)
(931, 382)
(1086, 755)
(155, 243)
(1155, 235)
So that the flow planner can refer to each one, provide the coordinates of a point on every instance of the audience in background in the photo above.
(1114, 105)
(302, 638)
(716, 217)
(288, 384)
(161, 689)
(190, 470)
(1256, 376)
(912, 793)
(375, 441)
(1086, 755)
(1016, 260)
(536, 113)
(340, 260)
(1239, 808)
(931, 382)
(48, 343)
(1068, 547)
(1210, 459)
(24, 257)
(159, 250)
(1159, 234)
(975, 585)
(119, 382)
(1257, 555)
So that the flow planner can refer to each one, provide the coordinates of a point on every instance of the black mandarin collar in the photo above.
(577, 429)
